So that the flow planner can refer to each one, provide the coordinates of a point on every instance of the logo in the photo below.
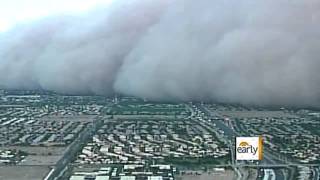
(249, 148)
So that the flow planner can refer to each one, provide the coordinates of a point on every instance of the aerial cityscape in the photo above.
(45, 135)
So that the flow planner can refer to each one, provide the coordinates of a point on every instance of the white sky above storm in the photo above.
(13, 12)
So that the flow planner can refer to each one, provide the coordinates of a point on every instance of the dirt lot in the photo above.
(38, 150)
(40, 155)
(40, 160)
(23, 172)
(227, 175)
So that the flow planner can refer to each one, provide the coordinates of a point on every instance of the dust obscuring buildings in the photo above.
(249, 52)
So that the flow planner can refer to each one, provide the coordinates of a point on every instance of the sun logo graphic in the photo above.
(249, 148)
(243, 144)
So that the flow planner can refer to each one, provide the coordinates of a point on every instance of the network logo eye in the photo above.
(249, 148)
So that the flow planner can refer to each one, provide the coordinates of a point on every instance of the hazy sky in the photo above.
(21, 11)
(263, 52)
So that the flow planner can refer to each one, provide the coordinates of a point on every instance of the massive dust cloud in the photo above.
(250, 52)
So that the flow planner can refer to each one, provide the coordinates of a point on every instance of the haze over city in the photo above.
(247, 52)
